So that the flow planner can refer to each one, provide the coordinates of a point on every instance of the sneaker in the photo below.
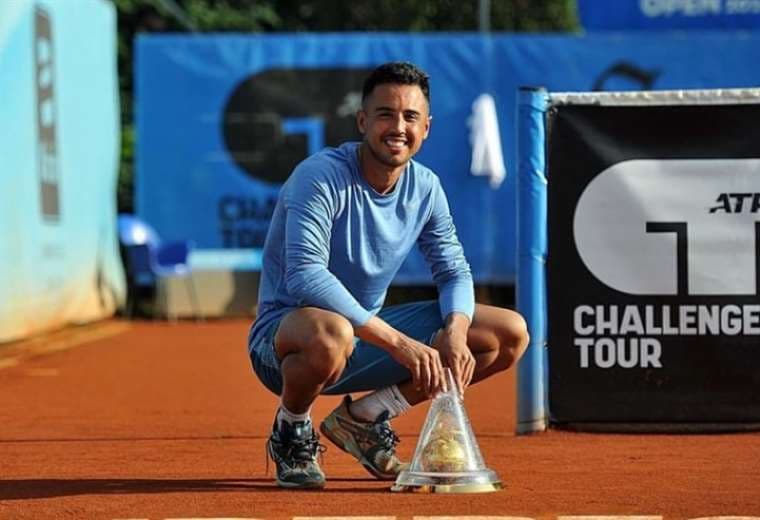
(294, 449)
(373, 444)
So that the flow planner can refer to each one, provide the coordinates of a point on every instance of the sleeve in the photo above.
(445, 256)
(308, 227)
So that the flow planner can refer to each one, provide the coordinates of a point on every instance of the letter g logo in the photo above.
(645, 227)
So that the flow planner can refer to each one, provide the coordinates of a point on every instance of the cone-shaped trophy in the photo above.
(447, 458)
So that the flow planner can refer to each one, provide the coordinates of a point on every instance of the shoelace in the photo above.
(305, 450)
(386, 436)
(302, 451)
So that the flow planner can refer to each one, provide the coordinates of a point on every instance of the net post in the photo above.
(531, 257)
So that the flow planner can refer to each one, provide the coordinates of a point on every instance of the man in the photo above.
(344, 223)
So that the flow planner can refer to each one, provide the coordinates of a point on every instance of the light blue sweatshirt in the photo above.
(335, 243)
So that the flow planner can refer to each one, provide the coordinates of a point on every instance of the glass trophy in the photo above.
(447, 458)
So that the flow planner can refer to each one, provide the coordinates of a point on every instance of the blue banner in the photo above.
(223, 119)
(623, 15)
(59, 122)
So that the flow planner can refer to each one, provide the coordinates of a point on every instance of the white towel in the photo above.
(487, 157)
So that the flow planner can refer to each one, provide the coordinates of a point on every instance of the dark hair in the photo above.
(397, 73)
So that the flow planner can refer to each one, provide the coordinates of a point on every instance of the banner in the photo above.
(59, 124)
(653, 280)
(624, 15)
(222, 119)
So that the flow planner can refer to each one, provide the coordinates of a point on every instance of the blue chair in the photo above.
(149, 262)
(133, 231)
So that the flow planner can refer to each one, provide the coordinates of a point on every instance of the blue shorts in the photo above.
(369, 367)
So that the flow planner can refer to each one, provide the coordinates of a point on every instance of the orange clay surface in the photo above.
(156, 420)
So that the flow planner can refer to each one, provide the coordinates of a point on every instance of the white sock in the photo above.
(387, 399)
(283, 414)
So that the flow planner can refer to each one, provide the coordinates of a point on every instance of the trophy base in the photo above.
(485, 481)
(449, 488)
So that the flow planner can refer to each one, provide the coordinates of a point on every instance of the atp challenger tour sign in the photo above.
(653, 264)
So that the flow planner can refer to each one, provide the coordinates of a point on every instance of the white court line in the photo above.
(344, 518)
(463, 517)
(472, 517)
(610, 517)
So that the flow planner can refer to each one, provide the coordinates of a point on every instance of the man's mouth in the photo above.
(395, 143)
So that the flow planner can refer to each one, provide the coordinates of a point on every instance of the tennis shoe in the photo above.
(294, 448)
(373, 444)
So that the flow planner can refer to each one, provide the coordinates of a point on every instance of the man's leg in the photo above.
(312, 345)
(497, 338)
(362, 428)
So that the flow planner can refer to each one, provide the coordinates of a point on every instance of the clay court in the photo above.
(154, 420)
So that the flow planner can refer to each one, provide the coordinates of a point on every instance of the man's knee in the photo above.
(330, 345)
(322, 341)
(513, 339)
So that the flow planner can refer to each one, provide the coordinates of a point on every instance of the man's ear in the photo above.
(427, 126)
(361, 121)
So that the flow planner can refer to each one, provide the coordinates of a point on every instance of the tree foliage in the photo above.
(135, 16)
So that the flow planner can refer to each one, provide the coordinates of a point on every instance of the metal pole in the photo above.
(484, 15)
(531, 257)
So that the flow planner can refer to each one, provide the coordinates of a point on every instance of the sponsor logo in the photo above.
(667, 8)
(655, 227)
(624, 75)
(47, 155)
(276, 118)
(244, 221)
(681, 228)
(737, 203)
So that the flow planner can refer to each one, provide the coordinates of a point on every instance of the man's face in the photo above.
(394, 120)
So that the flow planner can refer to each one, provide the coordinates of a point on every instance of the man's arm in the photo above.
(421, 360)
(308, 228)
(451, 272)
(443, 252)
(307, 277)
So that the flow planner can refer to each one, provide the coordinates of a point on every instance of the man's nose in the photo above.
(399, 124)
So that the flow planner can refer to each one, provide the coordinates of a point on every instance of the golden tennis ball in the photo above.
(445, 455)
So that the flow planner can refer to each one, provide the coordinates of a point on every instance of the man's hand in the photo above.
(451, 342)
(422, 361)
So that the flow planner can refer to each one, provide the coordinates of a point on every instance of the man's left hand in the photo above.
(451, 343)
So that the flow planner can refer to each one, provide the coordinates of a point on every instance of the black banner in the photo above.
(654, 314)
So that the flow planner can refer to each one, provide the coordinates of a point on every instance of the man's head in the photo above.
(396, 73)
(395, 113)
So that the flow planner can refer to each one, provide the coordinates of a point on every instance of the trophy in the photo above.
(447, 458)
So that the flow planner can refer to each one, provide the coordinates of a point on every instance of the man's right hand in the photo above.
(422, 361)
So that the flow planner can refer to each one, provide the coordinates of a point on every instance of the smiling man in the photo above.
(345, 221)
